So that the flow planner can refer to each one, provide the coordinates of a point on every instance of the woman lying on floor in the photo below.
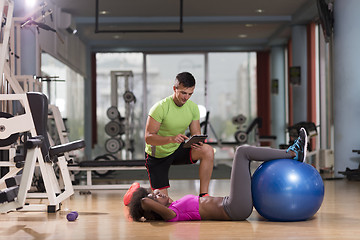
(147, 205)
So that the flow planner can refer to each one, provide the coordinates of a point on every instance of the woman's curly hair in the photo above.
(135, 210)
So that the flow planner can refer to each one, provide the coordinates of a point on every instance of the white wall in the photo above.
(62, 45)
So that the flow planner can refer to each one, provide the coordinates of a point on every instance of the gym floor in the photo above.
(102, 215)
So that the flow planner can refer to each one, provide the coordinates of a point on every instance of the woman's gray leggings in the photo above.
(239, 205)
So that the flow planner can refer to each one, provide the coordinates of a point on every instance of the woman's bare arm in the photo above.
(150, 205)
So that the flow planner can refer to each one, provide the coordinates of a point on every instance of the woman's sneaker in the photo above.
(299, 146)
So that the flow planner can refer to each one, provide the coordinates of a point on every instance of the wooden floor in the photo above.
(103, 216)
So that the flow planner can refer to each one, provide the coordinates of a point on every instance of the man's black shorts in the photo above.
(158, 168)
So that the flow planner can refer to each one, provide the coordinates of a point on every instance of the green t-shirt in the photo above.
(174, 120)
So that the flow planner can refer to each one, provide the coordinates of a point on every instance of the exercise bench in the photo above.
(117, 165)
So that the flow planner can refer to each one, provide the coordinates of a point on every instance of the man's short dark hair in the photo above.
(186, 79)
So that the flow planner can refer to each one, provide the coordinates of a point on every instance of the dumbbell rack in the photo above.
(119, 125)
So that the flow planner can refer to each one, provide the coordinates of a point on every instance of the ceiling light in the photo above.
(259, 10)
(30, 3)
(104, 12)
(71, 30)
(249, 25)
(242, 36)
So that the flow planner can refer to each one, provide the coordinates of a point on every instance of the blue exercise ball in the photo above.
(287, 190)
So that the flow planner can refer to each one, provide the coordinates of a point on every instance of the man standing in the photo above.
(165, 135)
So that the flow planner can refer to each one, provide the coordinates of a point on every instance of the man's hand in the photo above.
(197, 145)
(179, 138)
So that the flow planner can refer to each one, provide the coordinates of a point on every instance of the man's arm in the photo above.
(195, 127)
(151, 137)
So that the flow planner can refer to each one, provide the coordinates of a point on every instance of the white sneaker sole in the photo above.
(305, 147)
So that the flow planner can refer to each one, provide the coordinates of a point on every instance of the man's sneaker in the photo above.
(299, 146)
(129, 193)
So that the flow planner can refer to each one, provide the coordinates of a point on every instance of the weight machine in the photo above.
(242, 134)
(10, 65)
(23, 123)
(352, 174)
(38, 152)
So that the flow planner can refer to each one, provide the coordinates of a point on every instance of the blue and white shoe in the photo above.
(299, 146)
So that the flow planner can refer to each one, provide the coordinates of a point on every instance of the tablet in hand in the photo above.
(194, 139)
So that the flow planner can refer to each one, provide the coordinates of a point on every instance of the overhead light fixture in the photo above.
(104, 12)
(242, 36)
(71, 30)
(30, 3)
(145, 30)
(259, 10)
(67, 22)
(249, 25)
